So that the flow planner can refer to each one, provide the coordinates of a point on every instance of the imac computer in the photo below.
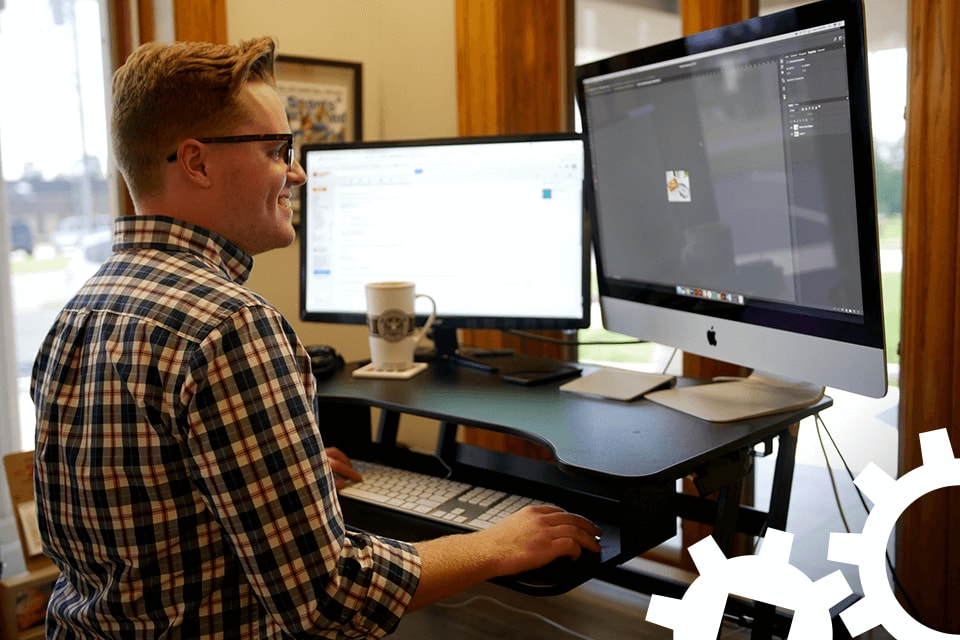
(493, 228)
(731, 187)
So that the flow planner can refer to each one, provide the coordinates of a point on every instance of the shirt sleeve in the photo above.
(258, 458)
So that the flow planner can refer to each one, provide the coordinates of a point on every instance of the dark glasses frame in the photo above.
(254, 137)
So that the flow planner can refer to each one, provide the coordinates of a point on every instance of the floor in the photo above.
(865, 431)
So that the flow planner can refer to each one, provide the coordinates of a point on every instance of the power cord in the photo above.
(537, 616)
(570, 343)
(893, 572)
(541, 617)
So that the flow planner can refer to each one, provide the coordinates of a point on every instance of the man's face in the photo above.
(256, 182)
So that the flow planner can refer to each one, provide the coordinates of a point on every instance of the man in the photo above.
(182, 485)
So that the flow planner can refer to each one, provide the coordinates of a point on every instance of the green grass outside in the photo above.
(32, 265)
(891, 283)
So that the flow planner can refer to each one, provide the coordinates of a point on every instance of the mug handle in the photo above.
(419, 335)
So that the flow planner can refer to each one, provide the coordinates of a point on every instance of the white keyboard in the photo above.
(433, 498)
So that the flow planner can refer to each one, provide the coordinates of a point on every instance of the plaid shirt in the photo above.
(181, 482)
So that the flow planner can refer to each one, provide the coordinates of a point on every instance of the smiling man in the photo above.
(182, 485)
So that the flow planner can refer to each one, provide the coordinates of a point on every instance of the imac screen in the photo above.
(492, 228)
(731, 174)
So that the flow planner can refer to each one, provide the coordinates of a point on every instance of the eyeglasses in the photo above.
(256, 137)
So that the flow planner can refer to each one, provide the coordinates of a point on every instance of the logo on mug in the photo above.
(393, 325)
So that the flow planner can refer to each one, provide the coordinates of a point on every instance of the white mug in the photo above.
(391, 322)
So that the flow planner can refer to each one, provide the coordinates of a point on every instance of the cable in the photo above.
(893, 572)
(570, 343)
(540, 617)
(673, 354)
(833, 480)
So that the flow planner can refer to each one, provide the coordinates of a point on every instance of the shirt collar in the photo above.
(163, 233)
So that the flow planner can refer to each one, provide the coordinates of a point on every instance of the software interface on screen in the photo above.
(490, 229)
(737, 166)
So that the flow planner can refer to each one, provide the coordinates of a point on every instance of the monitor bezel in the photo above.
(445, 321)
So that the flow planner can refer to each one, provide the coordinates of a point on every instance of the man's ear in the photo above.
(191, 158)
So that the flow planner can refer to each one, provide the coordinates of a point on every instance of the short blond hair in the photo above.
(166, 93)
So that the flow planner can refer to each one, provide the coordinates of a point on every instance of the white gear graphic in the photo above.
(766, 577)
(868, 549)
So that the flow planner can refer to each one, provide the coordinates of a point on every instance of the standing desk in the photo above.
(614, 462)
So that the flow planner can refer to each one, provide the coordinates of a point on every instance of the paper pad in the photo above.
(738, 400)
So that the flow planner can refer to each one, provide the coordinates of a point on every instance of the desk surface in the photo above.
(639, 442)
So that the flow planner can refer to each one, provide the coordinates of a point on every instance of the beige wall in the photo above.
(408, 53)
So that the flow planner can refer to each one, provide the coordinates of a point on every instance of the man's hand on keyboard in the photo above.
(342, 469)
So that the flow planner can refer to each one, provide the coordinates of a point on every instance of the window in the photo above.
(53, 145)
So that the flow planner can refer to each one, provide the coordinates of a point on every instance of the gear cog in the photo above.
(879, 605)
(766, 577)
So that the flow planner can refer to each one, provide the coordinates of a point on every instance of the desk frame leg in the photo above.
(388, 428)
(447, 442)
(780, 491)
(725, 524)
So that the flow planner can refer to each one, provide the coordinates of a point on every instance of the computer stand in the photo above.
(447, 348)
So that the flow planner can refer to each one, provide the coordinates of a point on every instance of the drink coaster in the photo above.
(369, 371)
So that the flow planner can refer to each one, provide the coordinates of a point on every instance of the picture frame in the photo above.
(323, 100)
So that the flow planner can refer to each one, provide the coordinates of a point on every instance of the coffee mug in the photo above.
(391, 321)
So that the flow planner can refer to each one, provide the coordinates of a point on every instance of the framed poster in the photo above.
(323, 99)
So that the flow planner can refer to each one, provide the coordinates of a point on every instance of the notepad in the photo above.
(618, 384)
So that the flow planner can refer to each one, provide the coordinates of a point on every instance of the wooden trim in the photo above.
(928, 557)
(146, 22)
(709, 14)
(124, 38)
(513, 66)
(200, 20)
(479, 64)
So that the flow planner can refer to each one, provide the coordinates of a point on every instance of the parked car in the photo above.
(91, 251)
(71, 230)
(21, 237)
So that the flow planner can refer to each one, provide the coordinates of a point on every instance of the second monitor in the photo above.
(493, 228)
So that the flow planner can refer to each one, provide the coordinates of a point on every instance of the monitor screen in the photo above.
(732, 192)
(492, 228)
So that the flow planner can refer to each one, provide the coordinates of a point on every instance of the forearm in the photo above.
(450, 565)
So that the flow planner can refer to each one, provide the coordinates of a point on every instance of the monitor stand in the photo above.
(447, 348)
(735, 399)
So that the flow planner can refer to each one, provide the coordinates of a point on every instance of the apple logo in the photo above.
(712, 337)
